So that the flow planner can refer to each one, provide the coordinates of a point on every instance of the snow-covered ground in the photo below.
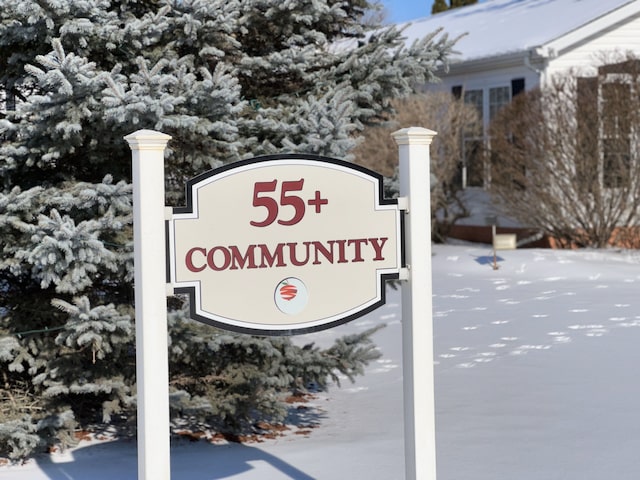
(536, 379)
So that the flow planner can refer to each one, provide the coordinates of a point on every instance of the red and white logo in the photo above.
(291, 296)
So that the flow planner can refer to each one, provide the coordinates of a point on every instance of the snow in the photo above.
(536, 379)
(498, 27)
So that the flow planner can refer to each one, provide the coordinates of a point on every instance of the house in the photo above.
(510, 46)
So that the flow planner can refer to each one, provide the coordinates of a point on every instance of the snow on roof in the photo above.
(497, 27)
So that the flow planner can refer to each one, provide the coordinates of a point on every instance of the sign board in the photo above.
(504, 241)
(284, 244)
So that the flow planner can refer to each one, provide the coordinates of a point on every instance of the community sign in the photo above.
(286, 244)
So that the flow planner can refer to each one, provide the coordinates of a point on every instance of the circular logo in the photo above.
(291, 296)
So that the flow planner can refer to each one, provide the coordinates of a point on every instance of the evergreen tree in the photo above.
(442, 6)
(439, 6)
(461, 3)
(227, 79)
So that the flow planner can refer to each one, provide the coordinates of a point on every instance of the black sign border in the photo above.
(190, 292)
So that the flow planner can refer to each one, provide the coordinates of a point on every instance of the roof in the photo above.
(501, 27)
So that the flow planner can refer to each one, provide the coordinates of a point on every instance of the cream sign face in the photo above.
(284, 244)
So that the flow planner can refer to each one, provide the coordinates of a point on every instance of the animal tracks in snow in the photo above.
(524, 349)
(385, 365)
(472, 356)
(509, 301)
(525, 308)
(560, 337)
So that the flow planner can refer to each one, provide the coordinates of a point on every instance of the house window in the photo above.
(475, 98)
(487, 102)
(473, 143)
(615, 131)
(607, 125)
(498, 98)
(473, 174)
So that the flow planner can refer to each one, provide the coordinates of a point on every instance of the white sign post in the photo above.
(417, 328)
(286, 211)
(152, 363)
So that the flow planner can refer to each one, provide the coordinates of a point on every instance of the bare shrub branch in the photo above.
(565, 159)
(437, 111)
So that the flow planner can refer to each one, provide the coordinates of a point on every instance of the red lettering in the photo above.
(211, 260)
(341, 250)
(378, 247)
(188, 259)
(297, 254)
(357, 244)
(294, 258)
(268, 259)
(238, 259)
(326, 253)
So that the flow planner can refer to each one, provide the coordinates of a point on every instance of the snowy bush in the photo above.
(227, 79)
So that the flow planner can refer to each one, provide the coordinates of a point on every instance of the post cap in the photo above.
(414, 136)
(147, 140)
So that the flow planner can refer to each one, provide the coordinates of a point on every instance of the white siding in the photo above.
(491, 78)
(588, 54)
(487, 80)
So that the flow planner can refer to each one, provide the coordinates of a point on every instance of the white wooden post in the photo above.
(152, 362)
(417, 327)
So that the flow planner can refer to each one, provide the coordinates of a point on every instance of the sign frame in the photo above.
(237, 168)
(152, 364)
